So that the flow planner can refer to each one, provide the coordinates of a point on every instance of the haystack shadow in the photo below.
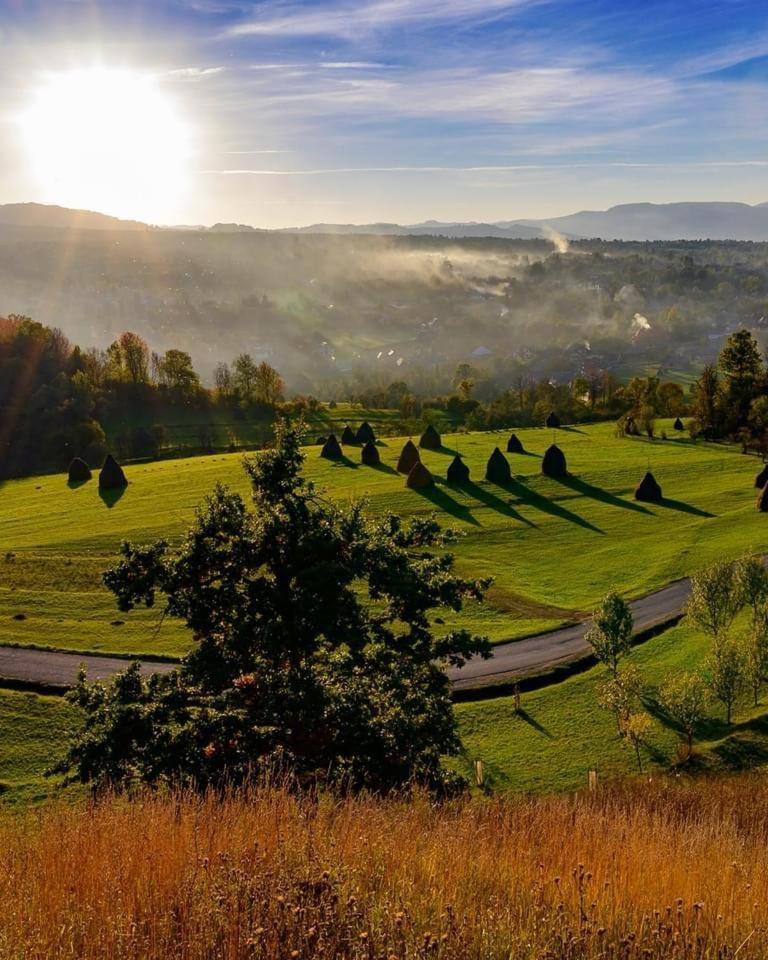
(490, 500)
(528, 495)
(597, 493)
(440, 498)
(111, 497)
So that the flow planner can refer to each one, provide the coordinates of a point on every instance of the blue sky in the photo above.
(403, 110)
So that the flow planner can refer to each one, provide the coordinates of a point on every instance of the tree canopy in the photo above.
(314, 645)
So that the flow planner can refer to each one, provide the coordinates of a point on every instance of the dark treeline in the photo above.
(55, 397)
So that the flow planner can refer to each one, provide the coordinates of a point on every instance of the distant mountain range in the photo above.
(631, 221)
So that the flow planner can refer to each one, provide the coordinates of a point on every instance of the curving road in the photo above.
(54, 669)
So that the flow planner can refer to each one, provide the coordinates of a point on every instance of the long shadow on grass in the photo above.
(528, 495)
(73, 484)
(440, 498)
(538, 727)
(572, 430)
(597, 493)
(684, 508)
(384, 468)
(490, 500)
(344, 461)
(111, 497)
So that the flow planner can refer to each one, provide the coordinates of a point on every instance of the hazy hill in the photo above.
(511, 231)
(667, 221)
(46, 216)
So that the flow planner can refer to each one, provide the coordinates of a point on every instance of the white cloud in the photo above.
(193, 74)
(349, 19)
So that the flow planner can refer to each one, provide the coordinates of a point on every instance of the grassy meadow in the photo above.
(657, 870)
(554, 548)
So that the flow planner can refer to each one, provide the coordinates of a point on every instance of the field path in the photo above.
(55, 669)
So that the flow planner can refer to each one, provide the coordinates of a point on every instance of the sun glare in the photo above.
(108, 140)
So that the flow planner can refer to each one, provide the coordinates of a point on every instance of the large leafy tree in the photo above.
(315, 647)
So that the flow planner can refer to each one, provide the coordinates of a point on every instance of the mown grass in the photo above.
(553, 548)
(643, 871)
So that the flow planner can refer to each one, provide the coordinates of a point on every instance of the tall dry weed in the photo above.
(650, 870)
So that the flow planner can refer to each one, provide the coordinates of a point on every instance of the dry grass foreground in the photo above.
(650, 870)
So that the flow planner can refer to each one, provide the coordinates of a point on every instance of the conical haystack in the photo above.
(112, 476)
(369, 455)
(553, 462)
(514, 444)
(497, 470)
(409, 457)
(678, 424)
(762, 478)
(419, 477)
(762, 500)
(348, 435)
(365, 433)
(648, 489)
(79, 471)
(552, 420)
(430, 439)
(332, 449)
(458, 471)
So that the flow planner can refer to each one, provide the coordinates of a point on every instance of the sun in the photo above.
(109, 140)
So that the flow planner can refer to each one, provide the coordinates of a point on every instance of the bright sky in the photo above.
(285, 112)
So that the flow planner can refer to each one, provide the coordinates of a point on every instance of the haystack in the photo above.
(762, 478)
(762, 500)
(553, 463)
(79, 471)
(552, 420)
(497, 470)
(332, 449)
(348, 435)
(514, 445)
(419, 477)
(112, 476)
(678, 424)
(409, 457)
(458, 471)
(648, 489)
(365, 433)
(430, 439)
(369, 455)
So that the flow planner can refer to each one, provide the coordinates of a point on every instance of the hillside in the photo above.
(554, 548)
(665, 221)
(47, 216)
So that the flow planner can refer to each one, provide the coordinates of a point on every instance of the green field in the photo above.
(554, 548)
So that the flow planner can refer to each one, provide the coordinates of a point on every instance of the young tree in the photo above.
(314, 645)
(610, 634)
(715, 599)
(724, 672)
(683, 697)
(619, 693)
(244, 376)
(706, 399)
(636, 730)
(756, 651)
(175, 371)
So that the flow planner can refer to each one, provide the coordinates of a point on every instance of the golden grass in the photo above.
(648, 870)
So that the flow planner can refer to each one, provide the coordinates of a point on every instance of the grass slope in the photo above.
(553, 547)
(562, 733)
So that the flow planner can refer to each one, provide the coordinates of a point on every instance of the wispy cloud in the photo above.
(192, 74)
(349, 19)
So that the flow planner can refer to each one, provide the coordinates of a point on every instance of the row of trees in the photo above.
(735, 663)
(56, 399)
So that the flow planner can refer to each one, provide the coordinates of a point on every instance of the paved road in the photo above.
(518, 658)
(547, 650)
